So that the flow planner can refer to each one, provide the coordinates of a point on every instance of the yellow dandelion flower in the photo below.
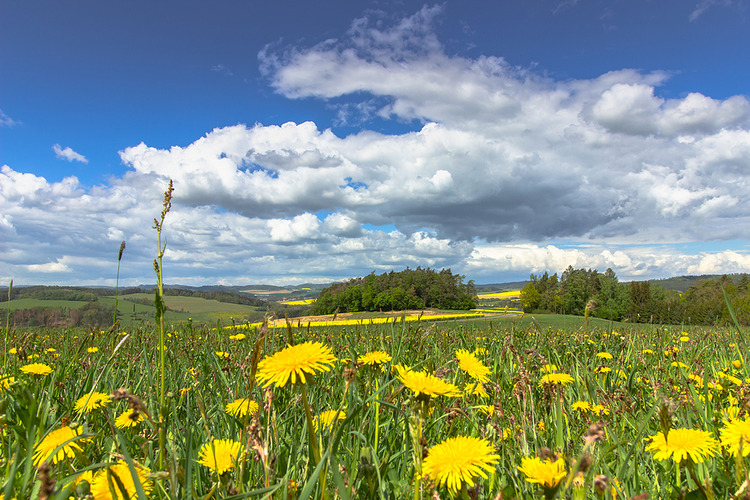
(481, 351)
(581, 406)
(5, 382)
(603, 355)
(730, 378)
(544, 472)
(222, 354)
(475, 389)
(579, 481)
(36, 369)
(736, 434)
(681, 444)
(472, 366)
(647, 351)
(221, 455)
(109, 483)
(292, 363)
(488, 410)
(326, 419)
(602, 369)
(600, 410)
(457, 461)
(241, 407)
(92, 349)
(556, 379)
(549, 368)
(424, 384)
(737, 364)
(239, 336)
(92, 401)
(128, 418)
(62, 436)
(87, 476)
(374, 358)
(697, 380)
(731, 413)
(12, 350)
(540, 426)
(715, 386)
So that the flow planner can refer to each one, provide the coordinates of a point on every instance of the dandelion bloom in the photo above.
(51, 441)
(603, 355)
(222, 354)
(221, 455)
(734, 434)
(239, 336)
(241, 407)
(582, 406)
(457, 461)
(92, 349)
(325, 419)
(603, 369)
(600, 410)
(92, 401)
(293, 362)
(109, 483)
(423, 384)
(556, 378)
(5, 382)
(475, 389)
(374, 358)
(544, 472)
(488, 410)
(548, 368)
(36, 369)
(128, 418)
(680, 444)
(472, 366)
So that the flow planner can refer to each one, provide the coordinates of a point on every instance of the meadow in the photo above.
(527, 407)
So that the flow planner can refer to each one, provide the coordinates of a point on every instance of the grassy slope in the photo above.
(181, 308)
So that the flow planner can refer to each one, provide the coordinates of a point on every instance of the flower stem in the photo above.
(310, 429)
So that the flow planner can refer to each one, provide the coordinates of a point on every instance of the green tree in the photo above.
(530, 297)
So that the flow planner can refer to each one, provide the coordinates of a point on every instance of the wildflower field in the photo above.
(472, 409)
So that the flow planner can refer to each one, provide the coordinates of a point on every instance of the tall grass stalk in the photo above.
(7, 329)
(160, 309)
(117, 282)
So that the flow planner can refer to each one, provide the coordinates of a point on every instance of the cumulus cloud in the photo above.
(68, 154)
(505, 171)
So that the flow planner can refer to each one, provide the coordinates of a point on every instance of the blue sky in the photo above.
(312, 144)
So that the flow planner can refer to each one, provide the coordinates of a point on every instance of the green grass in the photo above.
(26, 303)
(374, 449)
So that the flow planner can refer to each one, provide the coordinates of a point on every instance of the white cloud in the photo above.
(6, 121)
(49, 267)
(579, 171)
(68, 154)
(705, 5)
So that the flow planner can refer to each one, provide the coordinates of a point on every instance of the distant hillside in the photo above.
(500, 287)
(683, 283)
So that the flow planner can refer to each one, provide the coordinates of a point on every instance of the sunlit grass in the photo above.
(588, 401)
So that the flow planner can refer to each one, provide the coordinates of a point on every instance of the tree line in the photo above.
(587, 291)
(398, 291)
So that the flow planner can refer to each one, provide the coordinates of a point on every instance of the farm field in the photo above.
(520, 407)
(133, 309)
